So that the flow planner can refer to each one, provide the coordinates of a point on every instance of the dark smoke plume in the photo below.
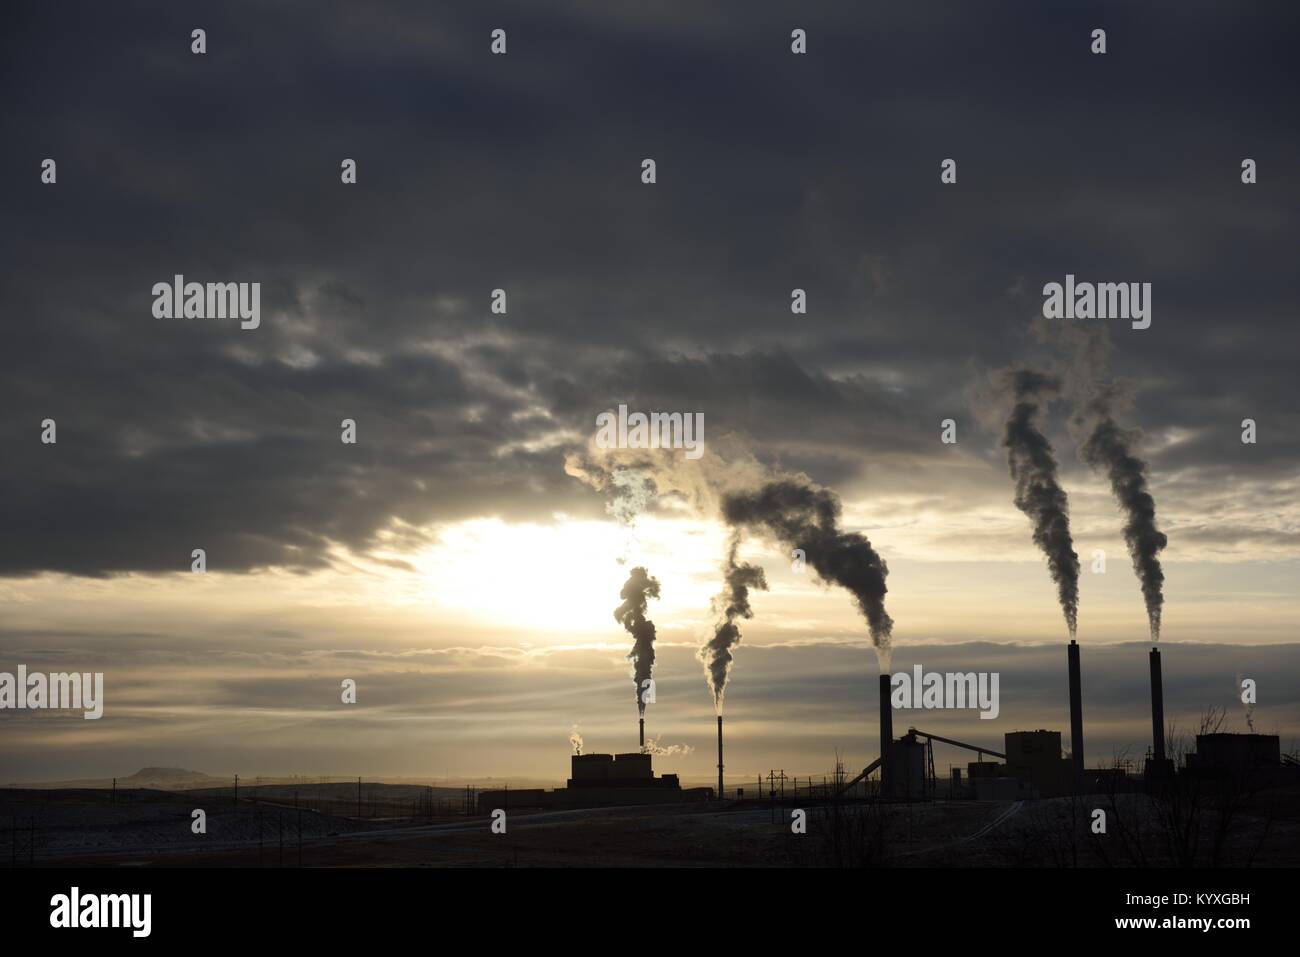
(1038, 491)
(805, 517)
(636, 593)
(731, 605)
(1107, 447)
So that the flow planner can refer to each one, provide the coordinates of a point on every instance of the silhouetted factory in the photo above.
(600, 780)
(622, 771)
(1032, 764)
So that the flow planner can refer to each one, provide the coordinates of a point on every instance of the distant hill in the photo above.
(160, 778)
(150, 777)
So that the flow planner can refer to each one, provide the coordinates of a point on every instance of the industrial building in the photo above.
(1235, 752)
(632, 770)
(599, 780)
(1242, 760)
(1032, 764)
(1034, 758)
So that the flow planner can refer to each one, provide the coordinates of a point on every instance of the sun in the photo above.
(563, 578)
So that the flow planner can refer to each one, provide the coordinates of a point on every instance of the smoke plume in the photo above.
(730, 605)
(1109, 448)
(636, 593)
(1103, 444)
(804, 516)
(575, 739)
(628, 489)
(636, 480)
(652, 746)
(1038, 491)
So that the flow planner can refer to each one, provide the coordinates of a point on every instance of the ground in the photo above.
(408, 826)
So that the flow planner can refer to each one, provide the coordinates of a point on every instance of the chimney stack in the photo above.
(719, 757)
(1157, 708)
(643, 734)
(1076, 717)
(886, 736)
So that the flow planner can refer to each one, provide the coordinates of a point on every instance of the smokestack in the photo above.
(886, 736)
(1076, 716)
(1157, 708)
(719, 757)
(642, 720)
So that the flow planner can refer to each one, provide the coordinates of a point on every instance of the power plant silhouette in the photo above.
(1029, 765)
(1033, 765)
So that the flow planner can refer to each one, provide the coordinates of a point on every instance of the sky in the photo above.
(448, 562)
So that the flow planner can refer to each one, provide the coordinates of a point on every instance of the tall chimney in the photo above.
(719, 757)
(643, 734)
(886, 736)
(1157, 708)
(1076, 716)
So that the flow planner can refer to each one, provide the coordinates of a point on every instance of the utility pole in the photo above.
(236, 790)
(114, 799)
(358, 798)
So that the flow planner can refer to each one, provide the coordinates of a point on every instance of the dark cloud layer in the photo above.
(521, 172)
